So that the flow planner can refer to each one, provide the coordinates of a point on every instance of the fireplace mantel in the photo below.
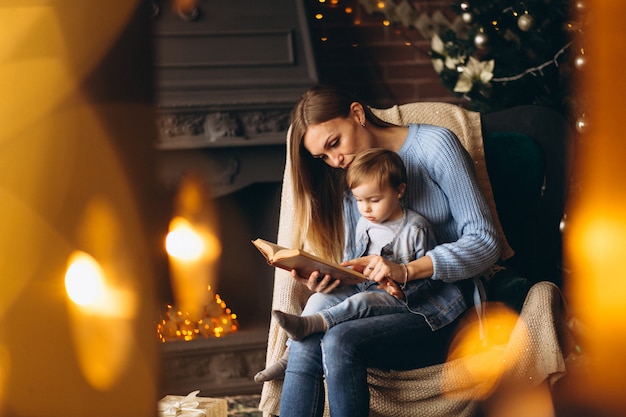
(226, 81)
(225, 84)
(246, 60)
(215, 366)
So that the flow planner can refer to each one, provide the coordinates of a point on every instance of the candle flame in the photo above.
(183, 242)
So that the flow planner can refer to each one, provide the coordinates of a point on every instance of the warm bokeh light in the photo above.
(481, 348)
(87, 287)
(182, 242)
(5, 370)
(595, 235)
(101, 315)
(84, 281)
(77, 137)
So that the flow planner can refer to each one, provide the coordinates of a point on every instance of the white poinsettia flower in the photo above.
(475, 71)
(450, 62)
(453, 62)
(436, 44)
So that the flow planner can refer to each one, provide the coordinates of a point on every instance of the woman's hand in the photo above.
(387, 274)
(325, 285)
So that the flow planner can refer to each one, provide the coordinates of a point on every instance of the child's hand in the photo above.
(392, 288)
(376, 268)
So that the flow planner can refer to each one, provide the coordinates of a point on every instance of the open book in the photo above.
(305, 263)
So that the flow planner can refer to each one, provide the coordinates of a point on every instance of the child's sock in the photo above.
(299, 327)
(274, 371)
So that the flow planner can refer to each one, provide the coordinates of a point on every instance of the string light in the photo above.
(217, 321)
(536, 69)
(404, 17)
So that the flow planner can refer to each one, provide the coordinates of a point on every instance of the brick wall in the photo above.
(383, 65)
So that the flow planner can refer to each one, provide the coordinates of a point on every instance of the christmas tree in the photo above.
(497, 53)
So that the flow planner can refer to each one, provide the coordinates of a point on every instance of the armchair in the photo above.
(530, 239)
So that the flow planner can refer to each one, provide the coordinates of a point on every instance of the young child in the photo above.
(377, 179)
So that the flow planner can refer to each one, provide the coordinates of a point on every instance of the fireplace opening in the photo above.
(226, 365)
(245, 279)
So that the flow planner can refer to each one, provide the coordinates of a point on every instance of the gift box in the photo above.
(192, 406)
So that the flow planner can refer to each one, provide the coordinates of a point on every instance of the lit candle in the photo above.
(194, 248)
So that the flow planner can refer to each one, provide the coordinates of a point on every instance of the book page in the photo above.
(305, 263)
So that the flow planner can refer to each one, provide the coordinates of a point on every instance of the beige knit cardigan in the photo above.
(535, 344)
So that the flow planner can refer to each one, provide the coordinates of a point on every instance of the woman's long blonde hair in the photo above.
(318, 189)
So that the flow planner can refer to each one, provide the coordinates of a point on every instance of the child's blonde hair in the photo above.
(376, 165)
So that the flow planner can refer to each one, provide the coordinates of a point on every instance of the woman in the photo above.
(329, 127)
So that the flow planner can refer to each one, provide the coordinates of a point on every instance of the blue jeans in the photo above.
(397, 341)
(353, 302)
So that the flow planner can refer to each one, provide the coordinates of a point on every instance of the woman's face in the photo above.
(338, 140)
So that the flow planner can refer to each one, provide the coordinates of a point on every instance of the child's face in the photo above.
(378, 204)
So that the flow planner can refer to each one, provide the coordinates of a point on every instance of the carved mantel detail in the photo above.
(231, 148)
(220, 128)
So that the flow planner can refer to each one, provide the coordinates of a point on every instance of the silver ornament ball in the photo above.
(525, 22)
(480, 40)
